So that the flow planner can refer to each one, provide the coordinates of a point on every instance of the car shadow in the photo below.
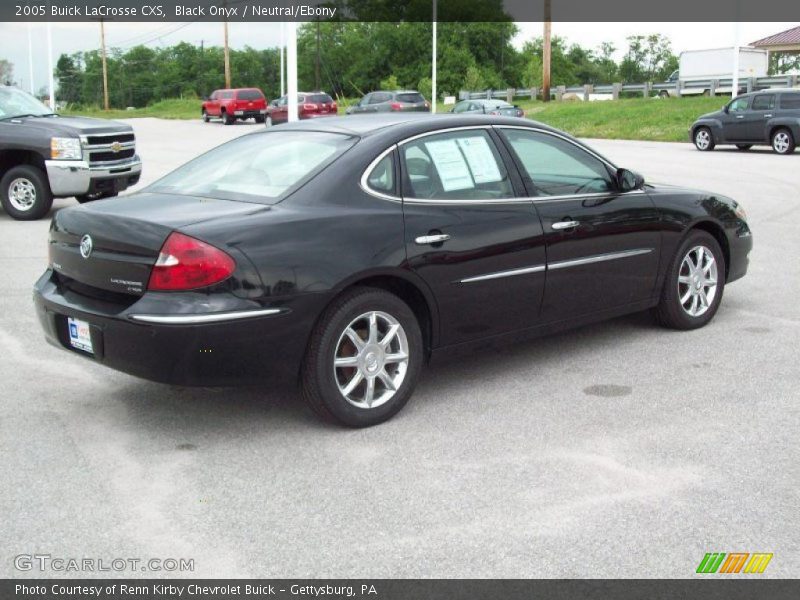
(201, 412)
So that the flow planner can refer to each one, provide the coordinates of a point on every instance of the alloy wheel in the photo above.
(697, 281)
(371, 359)
(702, 139)
(781, 142)
(22, 194)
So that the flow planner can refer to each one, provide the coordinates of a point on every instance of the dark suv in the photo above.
(397, 101)
(767, 117)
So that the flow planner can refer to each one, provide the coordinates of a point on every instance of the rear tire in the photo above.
(744, 147)
(84, 198)
(783, 141)
(691, 294)
(258, 119)
(226, 118)
(25, 193)
(363, 380)
(703, 139)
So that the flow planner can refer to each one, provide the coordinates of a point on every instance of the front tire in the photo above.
(206, 118)
(363, 359)
(84, 198)
(783, 141)
(25, 193)
(694, 284)
(703, 139)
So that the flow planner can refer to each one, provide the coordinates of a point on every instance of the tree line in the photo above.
(348, 59)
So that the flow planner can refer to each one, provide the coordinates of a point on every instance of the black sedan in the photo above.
(344, 253)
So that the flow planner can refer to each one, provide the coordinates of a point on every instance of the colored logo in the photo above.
(734, 562)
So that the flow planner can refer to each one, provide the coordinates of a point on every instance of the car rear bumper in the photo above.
(240, 343)
(249, 114)
(77, 177)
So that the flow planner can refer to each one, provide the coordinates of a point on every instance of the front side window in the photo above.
(459, 165)
(461, 107)
(259, 168)
(739, 105)
(226, 95)
(558, 167)
(764, 102)
(381, 178)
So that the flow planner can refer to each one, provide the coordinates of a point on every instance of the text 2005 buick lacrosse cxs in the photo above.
(344, 253)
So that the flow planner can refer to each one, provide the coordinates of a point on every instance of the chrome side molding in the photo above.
(194, 319)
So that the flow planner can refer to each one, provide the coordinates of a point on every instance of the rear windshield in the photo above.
(416, 97)
(319, 98)
(261, 168)
(250, 95)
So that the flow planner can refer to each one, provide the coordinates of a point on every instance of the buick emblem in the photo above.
(86, 246)
(116, 147)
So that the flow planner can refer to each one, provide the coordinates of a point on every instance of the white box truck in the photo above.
(698, 67)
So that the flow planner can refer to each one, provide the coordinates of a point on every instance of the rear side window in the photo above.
(319, 98)
(411, 98)
(379, 98)
(250, 95)
(381, 178)
(462, 165)
(790, 101)
(764, 102)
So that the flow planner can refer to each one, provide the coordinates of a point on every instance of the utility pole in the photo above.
(546, 54)
(291, 71)
(283, 68)
(433, 62)
(227, 54)
(105, 66)
(317, 82)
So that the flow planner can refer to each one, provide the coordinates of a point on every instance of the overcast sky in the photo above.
(72, 37)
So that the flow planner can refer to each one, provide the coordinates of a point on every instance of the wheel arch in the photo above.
(410, 289)
(775, 127)
(14, 158)
(718, 232)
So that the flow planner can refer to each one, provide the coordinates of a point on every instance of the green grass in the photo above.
(175, 108)
(654, 119)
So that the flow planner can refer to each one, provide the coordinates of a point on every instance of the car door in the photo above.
(754, 124)
(471, 234)
(733, 121)
(212, 107)
(602, 245)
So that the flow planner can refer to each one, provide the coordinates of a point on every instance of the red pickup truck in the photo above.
(230, 105)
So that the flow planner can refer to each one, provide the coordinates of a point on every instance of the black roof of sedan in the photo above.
(410, 123)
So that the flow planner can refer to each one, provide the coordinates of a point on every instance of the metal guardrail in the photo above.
(710, 87)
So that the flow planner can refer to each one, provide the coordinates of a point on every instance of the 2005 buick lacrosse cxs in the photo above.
(344, 253)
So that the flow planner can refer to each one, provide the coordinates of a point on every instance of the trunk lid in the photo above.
(108, 247)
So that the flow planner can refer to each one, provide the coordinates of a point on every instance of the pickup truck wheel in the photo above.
(703, 139)
(744, 147)
(258, 119)
(25, 193)
(663, 94)
(782, 141)
(227, 119)
(206, 118)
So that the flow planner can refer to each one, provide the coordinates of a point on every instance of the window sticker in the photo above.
(450, 164)
(481, 159)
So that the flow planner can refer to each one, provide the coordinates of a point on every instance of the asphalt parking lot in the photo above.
(617, 450)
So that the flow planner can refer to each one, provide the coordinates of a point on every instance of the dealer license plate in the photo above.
(79, 336)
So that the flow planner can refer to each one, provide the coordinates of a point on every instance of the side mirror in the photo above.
(627, 181)
(725, 109)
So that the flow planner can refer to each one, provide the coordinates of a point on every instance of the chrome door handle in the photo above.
(565, 224)
(767, 116)
(740, 116)
(437, 238)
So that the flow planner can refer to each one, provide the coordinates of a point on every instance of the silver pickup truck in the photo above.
(45, 156)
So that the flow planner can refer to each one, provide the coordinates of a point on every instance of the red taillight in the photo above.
(396, 106)
(333, 105)
(309, 107)
(186, 263)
